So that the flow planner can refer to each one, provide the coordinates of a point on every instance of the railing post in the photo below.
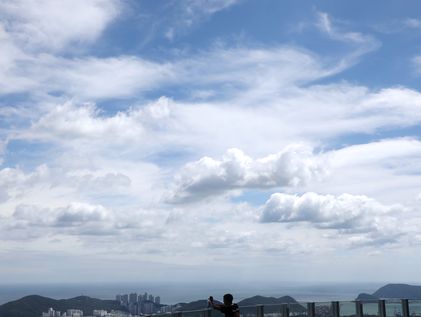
(311, 310)
(335, 309)
(285, 310)
(260, 311)
(359, 309)
(207, 313)
(382, 308)
(405, 308)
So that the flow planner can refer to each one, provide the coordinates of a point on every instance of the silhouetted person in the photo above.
(228, 308)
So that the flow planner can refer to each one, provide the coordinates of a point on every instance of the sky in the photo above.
(223, 141)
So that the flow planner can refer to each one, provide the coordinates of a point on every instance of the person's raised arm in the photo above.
(213, 305)
(236, 310)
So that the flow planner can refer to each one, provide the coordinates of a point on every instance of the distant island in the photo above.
(35, 305)
(393, 291)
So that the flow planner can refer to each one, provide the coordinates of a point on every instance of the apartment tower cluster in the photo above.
(142, 304)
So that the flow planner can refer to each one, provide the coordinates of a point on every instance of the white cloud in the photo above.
(263, 105)
(70, 121)
(193, 7)
(48, 185)
(389, 153)
(14, 182)
(326, 211)
(416, 61)
(181, 16)
(363, 43)
(293, 166)
(386, 170)
(412, 23)
(81, 219)
(85, 78)
(365, 219)
(53, 25)
(268, 70)
(325, 25)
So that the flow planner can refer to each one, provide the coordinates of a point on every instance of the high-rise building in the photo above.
(140, 298)
(157, 300)
(125, 299)
(118, 298)
(151, 298)
(133, 298)
(148, 308)
(145, 296)
(166, 309)
(133, 308)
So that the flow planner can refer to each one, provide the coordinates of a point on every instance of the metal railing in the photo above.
(379, 308)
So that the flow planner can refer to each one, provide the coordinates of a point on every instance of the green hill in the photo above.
(399, 291)
(263, 300)
(35, 305)
(195, 305)
(364, 297)
(272, 304)
(393, 291)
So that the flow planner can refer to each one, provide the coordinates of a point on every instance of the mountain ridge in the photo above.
(35, 305)
(393, 291)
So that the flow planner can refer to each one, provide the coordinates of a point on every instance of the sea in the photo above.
(172, 293)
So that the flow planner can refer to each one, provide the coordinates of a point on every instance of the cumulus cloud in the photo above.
(290, 167)
(86, 121)
(53, 25)
(48, 183)
(73, 219)
(14, 182)
(79, 219)
(349, 214)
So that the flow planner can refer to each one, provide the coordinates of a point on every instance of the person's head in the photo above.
(228, 298)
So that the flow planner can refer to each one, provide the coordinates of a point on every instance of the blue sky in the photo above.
(232, 139)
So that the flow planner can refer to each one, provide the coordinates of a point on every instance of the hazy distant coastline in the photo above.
(172, 293)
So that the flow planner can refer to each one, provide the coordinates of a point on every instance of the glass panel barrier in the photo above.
(371, 309)
(216, 313)
(298, 309)
(274, 310)
(414, 308)
(323, 309)
(248, 311)
(195, 313)
(393, 308)
(347, 309)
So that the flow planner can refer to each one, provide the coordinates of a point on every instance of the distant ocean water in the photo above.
(172, 293)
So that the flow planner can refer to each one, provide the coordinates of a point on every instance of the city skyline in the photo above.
(226, 141)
